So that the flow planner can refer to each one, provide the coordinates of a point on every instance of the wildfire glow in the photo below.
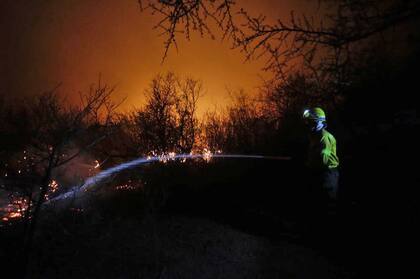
(14, 210)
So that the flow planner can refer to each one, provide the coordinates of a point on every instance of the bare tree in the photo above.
(55, 134)
(325, 46)
(290, 95)
(186, 107)
(240, 127)
(168, 122)
(343, 23)
(156, 123)
(214, 129)
(191, 15)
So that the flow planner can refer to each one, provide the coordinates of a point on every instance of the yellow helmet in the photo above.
(316, 114)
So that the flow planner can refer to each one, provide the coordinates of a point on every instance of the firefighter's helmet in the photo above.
(314, 114)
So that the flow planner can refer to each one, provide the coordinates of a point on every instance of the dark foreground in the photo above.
(236, 219)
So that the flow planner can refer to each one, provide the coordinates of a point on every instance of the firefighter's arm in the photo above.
(325, 154)
(325, 151)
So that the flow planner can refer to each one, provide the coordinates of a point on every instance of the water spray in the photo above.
(91, 182)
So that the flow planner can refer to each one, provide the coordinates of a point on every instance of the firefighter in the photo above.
(322, 160)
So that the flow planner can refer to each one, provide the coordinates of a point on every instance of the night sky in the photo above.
(46, 42)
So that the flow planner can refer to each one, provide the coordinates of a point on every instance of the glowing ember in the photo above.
(52, 188)
(14, 210)
(165, 157)
(125, 187)
(207, 155)
(15, 215)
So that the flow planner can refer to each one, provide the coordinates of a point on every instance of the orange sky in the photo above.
(72, 41)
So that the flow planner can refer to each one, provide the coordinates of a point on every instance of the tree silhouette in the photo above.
(343, 23)
(54, 134)
(168, 121)
(325, 47)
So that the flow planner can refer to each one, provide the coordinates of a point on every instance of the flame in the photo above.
(207, 155)
(165, 157)
(18, 205)
(15, 215)
(15, 209)
(52, 188)
(97, 165)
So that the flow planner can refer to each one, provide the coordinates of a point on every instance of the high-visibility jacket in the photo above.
(322, 153)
